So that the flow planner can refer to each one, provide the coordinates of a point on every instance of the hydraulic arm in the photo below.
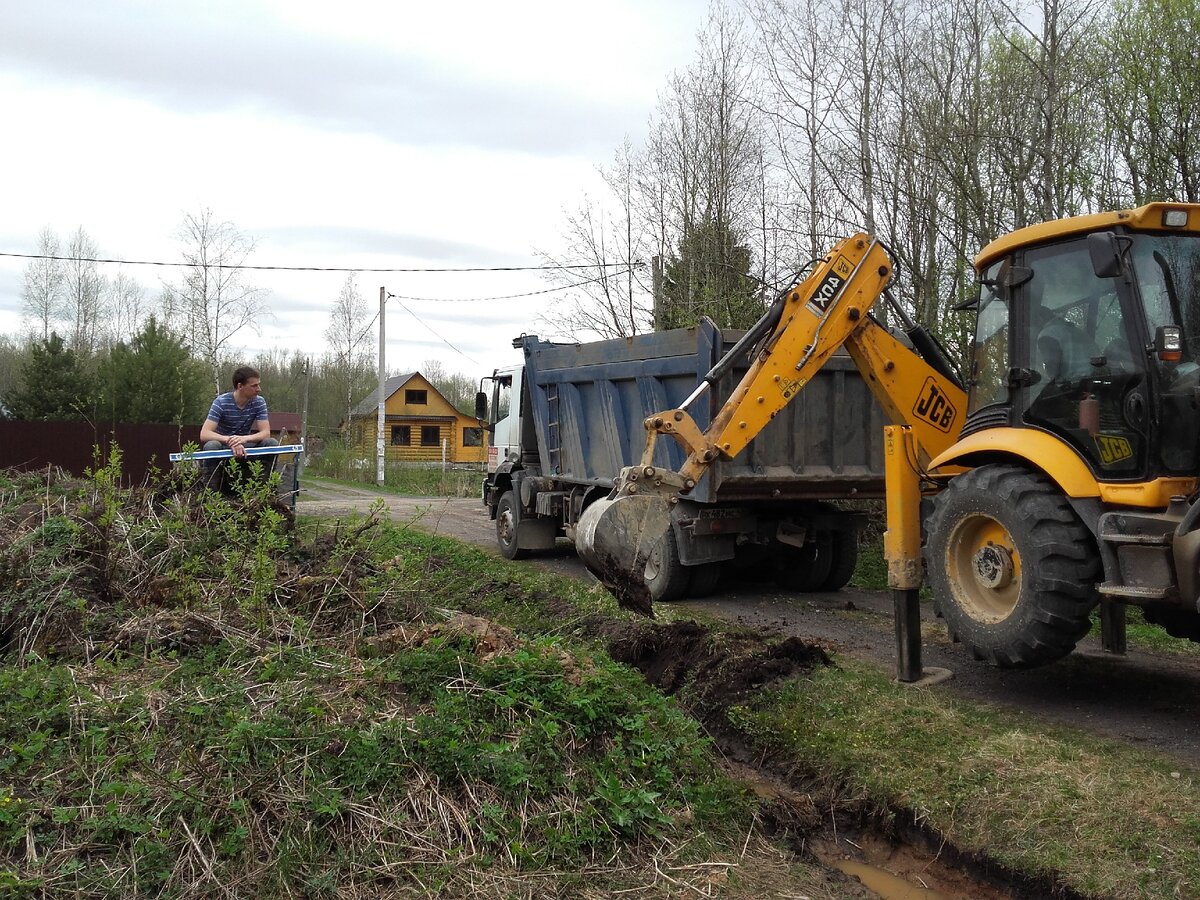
(827, 310)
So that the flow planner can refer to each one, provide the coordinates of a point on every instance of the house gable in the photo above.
(420, 423)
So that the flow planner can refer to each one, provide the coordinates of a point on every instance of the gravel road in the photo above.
(1142, 699)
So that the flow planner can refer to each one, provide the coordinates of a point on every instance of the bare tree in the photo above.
(214, 302)
(42, 294)
(1152, 107)
(126, 307)
(603, 279)
(350, 335)
(83, 290)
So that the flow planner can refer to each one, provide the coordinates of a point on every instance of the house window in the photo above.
(401, 435)
(431, 435)
(472, 437)
(417, 398)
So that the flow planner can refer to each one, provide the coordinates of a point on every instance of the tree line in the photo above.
(94, 348)
(936, 125)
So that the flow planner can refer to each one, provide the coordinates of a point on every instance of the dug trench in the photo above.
(896, 856)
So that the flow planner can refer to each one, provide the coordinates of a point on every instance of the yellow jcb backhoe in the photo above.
(1063, 472)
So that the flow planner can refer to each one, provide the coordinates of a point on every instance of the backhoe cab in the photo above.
(1066, 475)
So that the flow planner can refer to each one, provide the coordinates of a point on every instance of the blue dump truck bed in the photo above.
(589, 401)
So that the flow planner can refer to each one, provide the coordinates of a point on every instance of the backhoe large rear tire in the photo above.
(1013, 569)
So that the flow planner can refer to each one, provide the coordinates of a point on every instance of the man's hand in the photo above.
(237, 443)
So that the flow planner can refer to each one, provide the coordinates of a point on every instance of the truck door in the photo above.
(504, 439)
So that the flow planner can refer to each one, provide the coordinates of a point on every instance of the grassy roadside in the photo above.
(1068, 810)
(198, 698)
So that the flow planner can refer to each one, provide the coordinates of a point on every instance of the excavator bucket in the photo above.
(614, 538)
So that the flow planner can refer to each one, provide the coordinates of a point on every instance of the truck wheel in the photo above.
(843, 562)
(805, 568)
(666, 576)
(1013, 569)
(506, 527)
(705, 578)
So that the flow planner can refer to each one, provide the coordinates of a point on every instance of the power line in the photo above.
(561, 287)
(398, 298)
(186, 265)
(435, 334)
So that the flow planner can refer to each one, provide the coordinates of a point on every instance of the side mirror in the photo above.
(481, 406)
(1168, 343)
(1106, 254)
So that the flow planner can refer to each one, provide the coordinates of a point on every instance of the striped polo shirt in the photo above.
(231, 420)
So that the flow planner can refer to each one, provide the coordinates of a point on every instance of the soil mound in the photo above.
(718, 668)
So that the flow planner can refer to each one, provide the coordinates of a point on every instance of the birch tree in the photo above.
(83, 293)
(350, 336)
(215, 301)
(42, 292)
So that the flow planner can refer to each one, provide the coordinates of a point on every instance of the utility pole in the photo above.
(304, 404)
(379, 445)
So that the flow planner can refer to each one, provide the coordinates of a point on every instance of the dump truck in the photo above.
(567, 419)
(1060, 472)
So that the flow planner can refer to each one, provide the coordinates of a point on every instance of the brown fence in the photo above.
(71, 445)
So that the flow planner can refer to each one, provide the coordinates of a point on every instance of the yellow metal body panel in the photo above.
(902, 540)
(1043, 450)
(1063, 465)
(910, 391)
(1144, 218)
(1149, 495)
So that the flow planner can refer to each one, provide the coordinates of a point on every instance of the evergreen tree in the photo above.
(708, 277)
(153, 378)
(53, 385)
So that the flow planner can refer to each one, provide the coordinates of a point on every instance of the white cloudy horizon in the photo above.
(366, 135)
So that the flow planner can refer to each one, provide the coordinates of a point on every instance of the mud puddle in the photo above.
(710, 671)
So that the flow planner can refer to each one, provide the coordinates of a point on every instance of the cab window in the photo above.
(989, 368)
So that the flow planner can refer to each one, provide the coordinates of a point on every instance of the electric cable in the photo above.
(265, 268)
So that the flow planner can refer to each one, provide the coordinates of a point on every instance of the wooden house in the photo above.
(420, 425)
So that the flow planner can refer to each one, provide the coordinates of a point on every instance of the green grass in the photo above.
(177, 720)
(384, 711)
(415, 479)
(1054, 803)
(1097, 816)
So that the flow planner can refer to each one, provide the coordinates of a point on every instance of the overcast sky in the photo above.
(350, 134)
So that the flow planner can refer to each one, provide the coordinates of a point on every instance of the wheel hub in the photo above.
(993, 566)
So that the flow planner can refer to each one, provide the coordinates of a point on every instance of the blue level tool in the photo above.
(281, 450)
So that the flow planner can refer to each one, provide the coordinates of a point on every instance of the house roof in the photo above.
(390, 387)
(289, 420)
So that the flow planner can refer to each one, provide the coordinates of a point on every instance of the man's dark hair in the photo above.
(244, 374)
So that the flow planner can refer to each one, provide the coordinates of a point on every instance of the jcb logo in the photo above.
(825, 293)
(934, 407)
(1113, 449)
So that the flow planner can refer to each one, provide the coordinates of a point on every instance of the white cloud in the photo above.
(358, 134)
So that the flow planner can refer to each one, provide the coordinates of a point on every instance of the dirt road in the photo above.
(1142, 699)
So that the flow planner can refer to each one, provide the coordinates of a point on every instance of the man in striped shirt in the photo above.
(237, 420)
